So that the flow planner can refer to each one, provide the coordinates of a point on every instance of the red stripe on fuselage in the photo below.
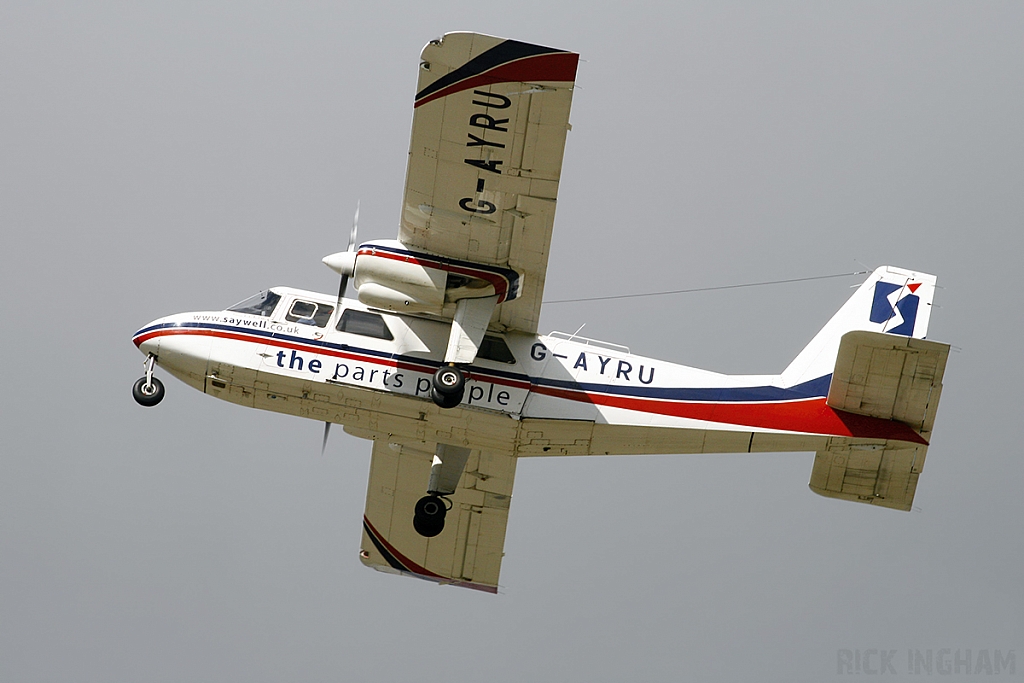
(810, 416)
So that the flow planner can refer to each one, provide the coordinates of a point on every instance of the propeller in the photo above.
(343, 262)
(327, 432)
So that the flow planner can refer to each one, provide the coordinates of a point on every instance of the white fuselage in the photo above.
(553, 395)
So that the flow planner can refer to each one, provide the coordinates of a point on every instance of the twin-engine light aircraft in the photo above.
(439, 363)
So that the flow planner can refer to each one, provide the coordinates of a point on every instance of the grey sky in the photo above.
(157, 159)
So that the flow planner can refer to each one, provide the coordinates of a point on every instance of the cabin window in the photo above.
(366, 324)
(262, 304)
(309, 313)
(495, 348)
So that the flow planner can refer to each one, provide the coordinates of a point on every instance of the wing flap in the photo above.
(468, 552)
(889, 376)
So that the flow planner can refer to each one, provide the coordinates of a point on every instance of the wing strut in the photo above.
(449, 461)
(445, 472)
(472, 316)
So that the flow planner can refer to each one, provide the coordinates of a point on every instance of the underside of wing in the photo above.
(488, 137)
(468, 551)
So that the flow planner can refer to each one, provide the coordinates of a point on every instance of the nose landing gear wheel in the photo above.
(148, 393)
(428, 517)
(448, 386)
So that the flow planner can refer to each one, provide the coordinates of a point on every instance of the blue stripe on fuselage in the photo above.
(815, 388)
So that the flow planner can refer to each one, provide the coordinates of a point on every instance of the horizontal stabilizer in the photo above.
(883, 473)
(889, 376)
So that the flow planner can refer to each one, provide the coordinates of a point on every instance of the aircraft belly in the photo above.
(369, 413)
(540, 437)
(635, 440)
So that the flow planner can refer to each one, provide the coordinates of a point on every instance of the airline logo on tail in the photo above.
(896, 306)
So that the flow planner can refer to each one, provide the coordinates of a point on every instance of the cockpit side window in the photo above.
(366, 324)
(262, 304)
(309, 313)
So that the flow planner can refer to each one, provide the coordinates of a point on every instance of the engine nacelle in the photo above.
(387, 275)
(411, 299)
(397, 283)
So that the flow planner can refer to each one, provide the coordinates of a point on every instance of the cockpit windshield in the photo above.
(262, 304)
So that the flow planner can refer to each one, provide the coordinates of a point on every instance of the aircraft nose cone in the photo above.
(177, 350)
(145, 340)
(148, 346)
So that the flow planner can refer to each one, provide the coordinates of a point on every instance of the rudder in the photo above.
(892, 300)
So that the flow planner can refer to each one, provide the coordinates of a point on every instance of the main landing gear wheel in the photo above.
(443, 401)
(148, 393)
(428, 517)
(448, 386)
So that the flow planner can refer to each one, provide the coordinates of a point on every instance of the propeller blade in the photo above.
(344, 278)
(341, 290)
(327, 432)
(355, 228)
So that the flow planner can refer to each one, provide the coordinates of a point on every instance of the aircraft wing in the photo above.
(488, 135)
(468, 552)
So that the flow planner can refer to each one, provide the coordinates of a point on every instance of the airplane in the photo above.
(439, 363)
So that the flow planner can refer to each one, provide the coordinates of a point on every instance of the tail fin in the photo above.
(891, 300)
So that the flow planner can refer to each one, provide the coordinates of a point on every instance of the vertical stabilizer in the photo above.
(891, 300)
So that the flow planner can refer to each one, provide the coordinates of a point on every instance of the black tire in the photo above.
(149, 395)
(428, 517)
(431, 507)
(442, 401)
(449, 381)
(427, 528)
